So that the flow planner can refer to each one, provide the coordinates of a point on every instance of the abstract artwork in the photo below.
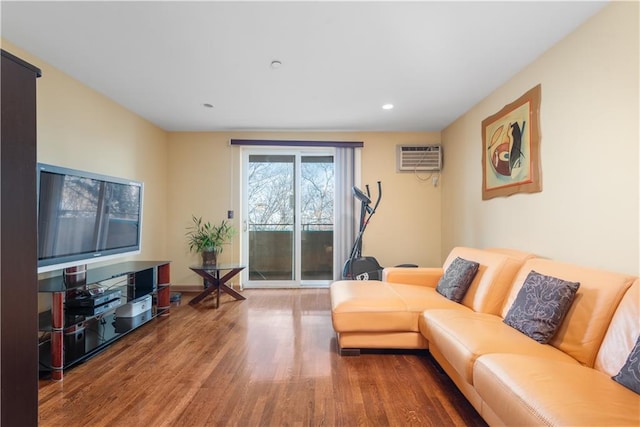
(511, 148)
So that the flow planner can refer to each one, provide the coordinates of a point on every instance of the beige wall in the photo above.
(205, 181)
(198, 173)
(82, 129)
(588, 210)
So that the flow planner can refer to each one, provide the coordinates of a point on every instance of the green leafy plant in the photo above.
(206, 237)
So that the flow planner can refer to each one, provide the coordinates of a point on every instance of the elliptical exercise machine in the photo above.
(358, 267)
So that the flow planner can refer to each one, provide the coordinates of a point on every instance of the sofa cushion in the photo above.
(524, 390)
(540, 306)
(457, 279)
(586, 322)
(367, 306)
(373, 306)
(493, 279)
(418, 298)
(463, 336)
(629, 375)
(424, 276)
(623, 330)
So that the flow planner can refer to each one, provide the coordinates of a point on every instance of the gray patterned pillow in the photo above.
(629, 375)
(456, 280)
(541, 305)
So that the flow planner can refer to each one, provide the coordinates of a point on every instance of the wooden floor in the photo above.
(267, 361)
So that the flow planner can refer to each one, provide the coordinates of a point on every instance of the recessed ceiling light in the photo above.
(387, 107)
(207, 105)
(276, 64)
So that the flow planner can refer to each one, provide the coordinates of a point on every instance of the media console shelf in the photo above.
(74, 337)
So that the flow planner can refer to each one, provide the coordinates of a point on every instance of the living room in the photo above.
(586, 212)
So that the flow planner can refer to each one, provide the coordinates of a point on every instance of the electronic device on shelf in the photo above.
(89, 292)
(93, 310)
(88, 300)
(134, 308)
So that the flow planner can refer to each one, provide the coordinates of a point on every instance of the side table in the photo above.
(213, 281)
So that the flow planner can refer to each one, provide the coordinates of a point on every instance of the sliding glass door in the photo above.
(288, 208)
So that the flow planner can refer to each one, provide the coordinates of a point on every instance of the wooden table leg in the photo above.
(228, 290)
(202, 295)
(219, 284)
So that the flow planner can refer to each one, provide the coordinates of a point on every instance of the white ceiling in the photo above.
(341, 61)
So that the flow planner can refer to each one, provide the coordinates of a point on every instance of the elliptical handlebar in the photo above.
(372, 210)
(379, 196)
(365, 208)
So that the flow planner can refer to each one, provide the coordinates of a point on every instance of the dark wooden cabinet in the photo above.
(18, 244)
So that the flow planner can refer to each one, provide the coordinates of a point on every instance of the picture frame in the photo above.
(511, 148)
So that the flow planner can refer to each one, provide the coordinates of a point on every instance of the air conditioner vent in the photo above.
(419, 158)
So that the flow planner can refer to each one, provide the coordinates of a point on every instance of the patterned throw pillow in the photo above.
(629, 375)
(541, 305)
(456, 280)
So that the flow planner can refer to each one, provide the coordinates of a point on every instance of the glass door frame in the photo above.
(298, 153)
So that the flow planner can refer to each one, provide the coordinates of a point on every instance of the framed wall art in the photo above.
(511, 148)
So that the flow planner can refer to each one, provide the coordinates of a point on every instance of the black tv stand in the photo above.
(69, 338)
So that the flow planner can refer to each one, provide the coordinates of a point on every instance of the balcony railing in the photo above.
(271, 252)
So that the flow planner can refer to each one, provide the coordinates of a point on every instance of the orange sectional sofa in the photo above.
(509, 378)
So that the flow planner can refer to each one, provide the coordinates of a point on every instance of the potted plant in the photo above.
(208, 239)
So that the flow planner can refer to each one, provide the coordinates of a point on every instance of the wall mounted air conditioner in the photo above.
(410, 158)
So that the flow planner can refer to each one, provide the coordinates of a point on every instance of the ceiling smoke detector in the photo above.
(276, 64)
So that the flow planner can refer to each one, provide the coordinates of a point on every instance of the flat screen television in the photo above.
(85, 217)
